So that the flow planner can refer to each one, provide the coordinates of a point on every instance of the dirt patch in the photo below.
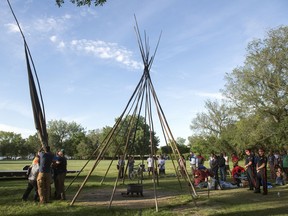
(102, 197)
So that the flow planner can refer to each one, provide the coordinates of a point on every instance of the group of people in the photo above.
(159, 167)
(278, 165)
(254, 170)
(45, 169)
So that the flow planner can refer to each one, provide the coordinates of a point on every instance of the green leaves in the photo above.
(257, 94)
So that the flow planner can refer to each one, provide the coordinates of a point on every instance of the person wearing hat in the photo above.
(60, 170)
(33, 171)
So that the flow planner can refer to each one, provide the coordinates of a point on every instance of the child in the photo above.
(280, 177)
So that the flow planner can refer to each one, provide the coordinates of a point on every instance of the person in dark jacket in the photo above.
(250, 169)
(60, 170)
(261, 168)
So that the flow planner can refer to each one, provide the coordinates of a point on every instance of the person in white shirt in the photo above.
(193, 162)
(150, 164)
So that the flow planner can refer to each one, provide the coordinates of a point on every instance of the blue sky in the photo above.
(88, 60)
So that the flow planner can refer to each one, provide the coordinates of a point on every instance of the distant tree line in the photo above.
(77, 142)
(254, 111)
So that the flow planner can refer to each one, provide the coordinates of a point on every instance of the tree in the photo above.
(260, 87)
(166, 150)
(33, 144)
(204, 144)
(65, 135)
(214, 120)
(87, 146)
(256, 93)
(134, 132)
(82, 2)
(12, 144)
(182, 147)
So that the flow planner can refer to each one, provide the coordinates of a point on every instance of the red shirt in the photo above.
(237, 170)
(234, 159)
(200, 176)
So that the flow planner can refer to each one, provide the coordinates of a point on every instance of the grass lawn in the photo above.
(237, 201)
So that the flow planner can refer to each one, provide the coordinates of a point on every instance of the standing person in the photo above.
(120, 166)
(193, 162)
(131, 162)
(44, 178)
(277, 159)
(234, 159)
(161, 165)
(271, 164)
(261, 168)
(32, 180)
(211, 160)
(182, 165)
(214, 169)
(285, 163)
(60, 170)
(226, 157)
(250, 169)
(201, 160)
(150, 164)
(222, 167)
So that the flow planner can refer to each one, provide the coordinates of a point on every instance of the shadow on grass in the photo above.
(243, 202)
(264, 212)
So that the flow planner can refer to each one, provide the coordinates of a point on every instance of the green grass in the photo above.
(225, 202)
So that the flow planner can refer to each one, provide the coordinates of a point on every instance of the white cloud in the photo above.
(12, 27)
(23, 131)
(105, 50)
(53, 38)
(60, 44)
(44, 25)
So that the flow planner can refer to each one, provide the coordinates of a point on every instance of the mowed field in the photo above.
(173, 197)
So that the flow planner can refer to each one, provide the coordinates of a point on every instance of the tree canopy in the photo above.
(255, 111)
